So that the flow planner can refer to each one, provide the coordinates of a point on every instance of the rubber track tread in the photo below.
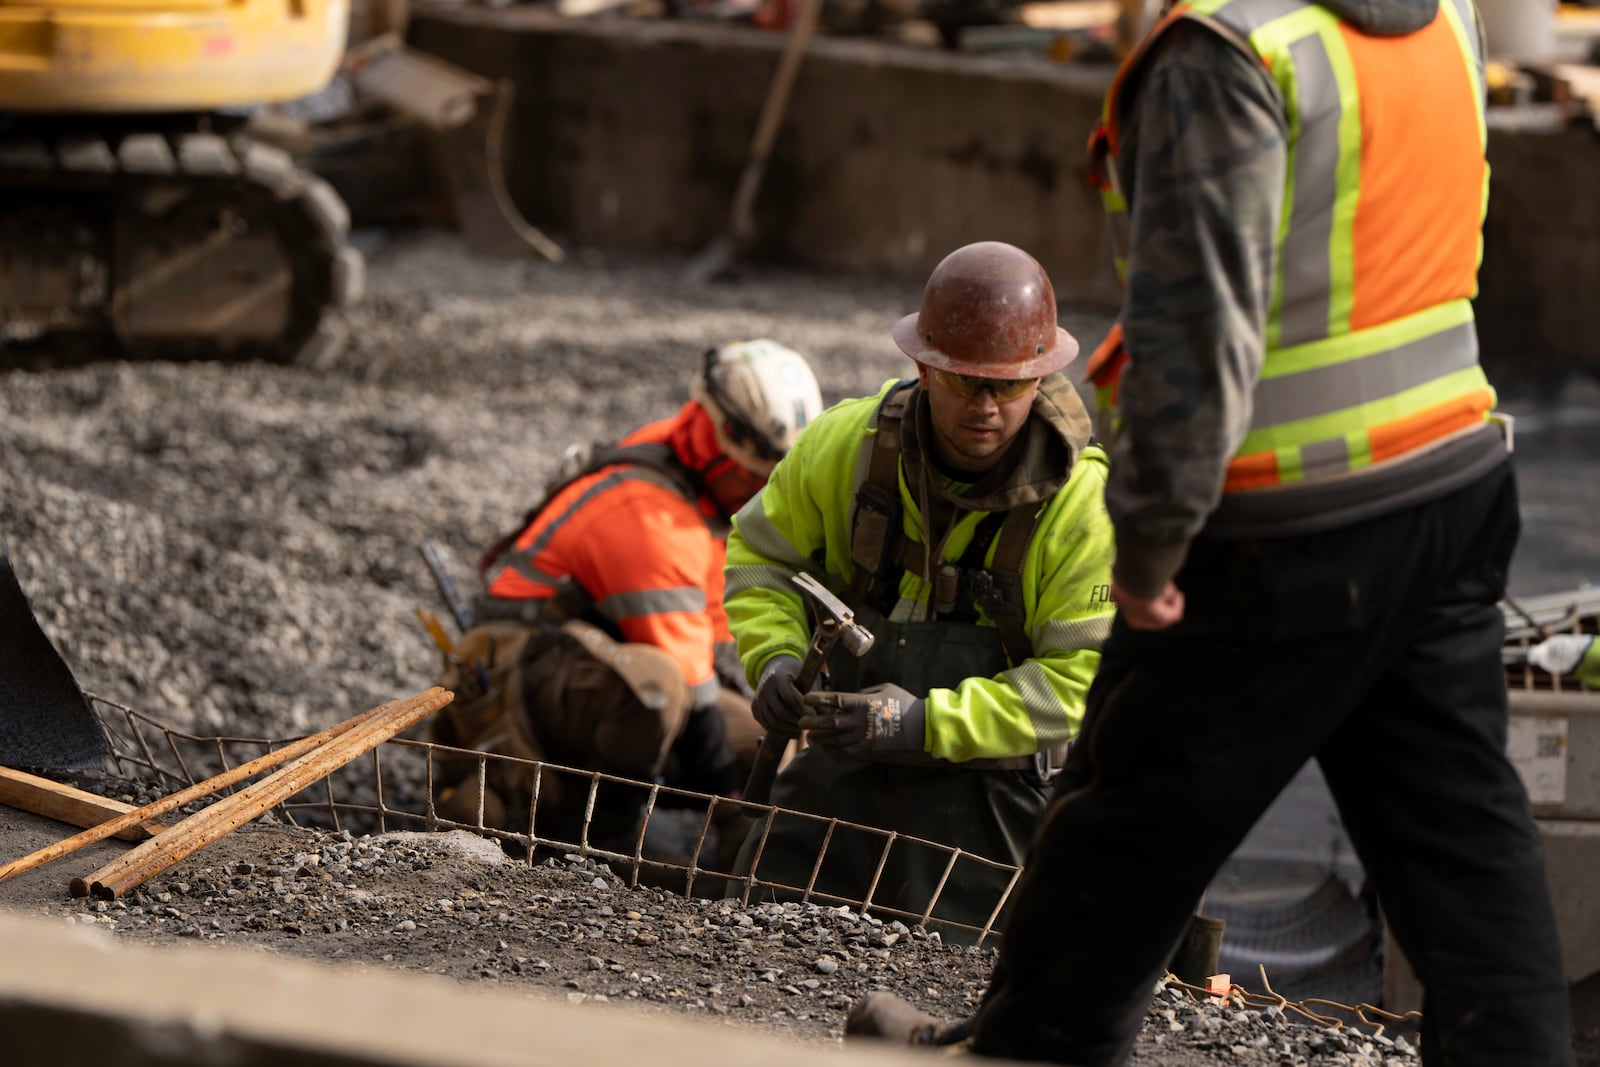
(310, 219)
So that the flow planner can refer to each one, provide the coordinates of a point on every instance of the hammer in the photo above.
(835, 622)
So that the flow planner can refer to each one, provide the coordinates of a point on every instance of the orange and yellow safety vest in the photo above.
(1371, 350)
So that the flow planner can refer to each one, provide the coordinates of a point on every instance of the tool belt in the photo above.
(571, 601)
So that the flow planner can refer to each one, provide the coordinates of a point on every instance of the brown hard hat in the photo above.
(988, 310)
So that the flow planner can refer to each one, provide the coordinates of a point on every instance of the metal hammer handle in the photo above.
(758, 790)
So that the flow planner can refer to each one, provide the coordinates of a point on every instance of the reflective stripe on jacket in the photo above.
(645, 554)
(802, 520)
(1371, 351)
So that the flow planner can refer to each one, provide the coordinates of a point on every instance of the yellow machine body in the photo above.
(139, 217)
(122, 56)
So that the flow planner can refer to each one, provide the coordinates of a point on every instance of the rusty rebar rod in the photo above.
(121, 823)
(192, 834)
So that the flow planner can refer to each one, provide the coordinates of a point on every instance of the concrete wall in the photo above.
(1539, 291)
(635, 133)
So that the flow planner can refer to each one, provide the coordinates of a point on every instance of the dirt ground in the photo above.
(455, 905)
(232, 549)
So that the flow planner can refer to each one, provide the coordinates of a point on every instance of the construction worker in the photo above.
(959, 514)
(603, 610)
(1576, 655)
(1315, 513)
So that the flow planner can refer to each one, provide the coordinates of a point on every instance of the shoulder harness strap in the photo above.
(876, 531)
(998, 589)
(659, 464)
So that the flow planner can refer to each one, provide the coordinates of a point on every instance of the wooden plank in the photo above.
(53, 800)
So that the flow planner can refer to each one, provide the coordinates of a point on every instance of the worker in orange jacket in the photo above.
(606, 603)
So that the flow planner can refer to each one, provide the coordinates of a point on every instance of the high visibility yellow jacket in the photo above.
(650, 557)
(802, 520)
(1588, 669)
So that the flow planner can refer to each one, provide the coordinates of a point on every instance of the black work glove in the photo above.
(880, 720)
(778, 704)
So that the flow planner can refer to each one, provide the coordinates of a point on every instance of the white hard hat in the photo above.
(760, 395)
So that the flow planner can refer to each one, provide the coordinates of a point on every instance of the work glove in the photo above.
(1560, 654)
(778, 704)
(881, 720)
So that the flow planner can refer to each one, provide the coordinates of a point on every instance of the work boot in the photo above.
(1195, 958)
(887, 1017)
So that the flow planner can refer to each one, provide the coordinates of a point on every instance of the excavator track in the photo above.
(168, 245)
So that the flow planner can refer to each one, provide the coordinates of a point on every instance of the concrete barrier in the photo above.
(634, 132)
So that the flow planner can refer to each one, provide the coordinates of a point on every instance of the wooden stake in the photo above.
(63, 803)
(133, 817)
(192, 834)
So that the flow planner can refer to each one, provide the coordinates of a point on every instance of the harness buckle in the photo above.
(990, 594)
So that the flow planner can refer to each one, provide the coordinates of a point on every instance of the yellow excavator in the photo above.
(138, 219)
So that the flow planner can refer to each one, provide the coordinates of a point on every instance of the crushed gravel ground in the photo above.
(233, 549)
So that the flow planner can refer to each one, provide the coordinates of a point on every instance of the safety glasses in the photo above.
(969, 386)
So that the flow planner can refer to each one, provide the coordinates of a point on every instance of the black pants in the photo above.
(1375, 649)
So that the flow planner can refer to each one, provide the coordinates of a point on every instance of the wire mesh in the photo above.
(1532, 621)
(392, 788)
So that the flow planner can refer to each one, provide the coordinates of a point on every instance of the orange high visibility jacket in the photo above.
(649, 557)
(1371, 352)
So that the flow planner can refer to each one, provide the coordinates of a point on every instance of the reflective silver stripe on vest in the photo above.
(763, 537)
(908, 609)
(640, 602)
(1328, 457)
(521, 560)
(747, 576)
(705, 693)
(522, 564)
(1467, 12)
(1044, 707)
(1347, 384)
(1077, 635)
(1247, 16)
(1305, 256)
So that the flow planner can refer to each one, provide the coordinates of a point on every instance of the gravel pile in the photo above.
(233, 550)
(455, 905)
(235, 547)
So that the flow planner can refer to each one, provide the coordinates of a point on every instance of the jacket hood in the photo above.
(690, 432)
(1055, 435)
(721, 484)
(1385, 18)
